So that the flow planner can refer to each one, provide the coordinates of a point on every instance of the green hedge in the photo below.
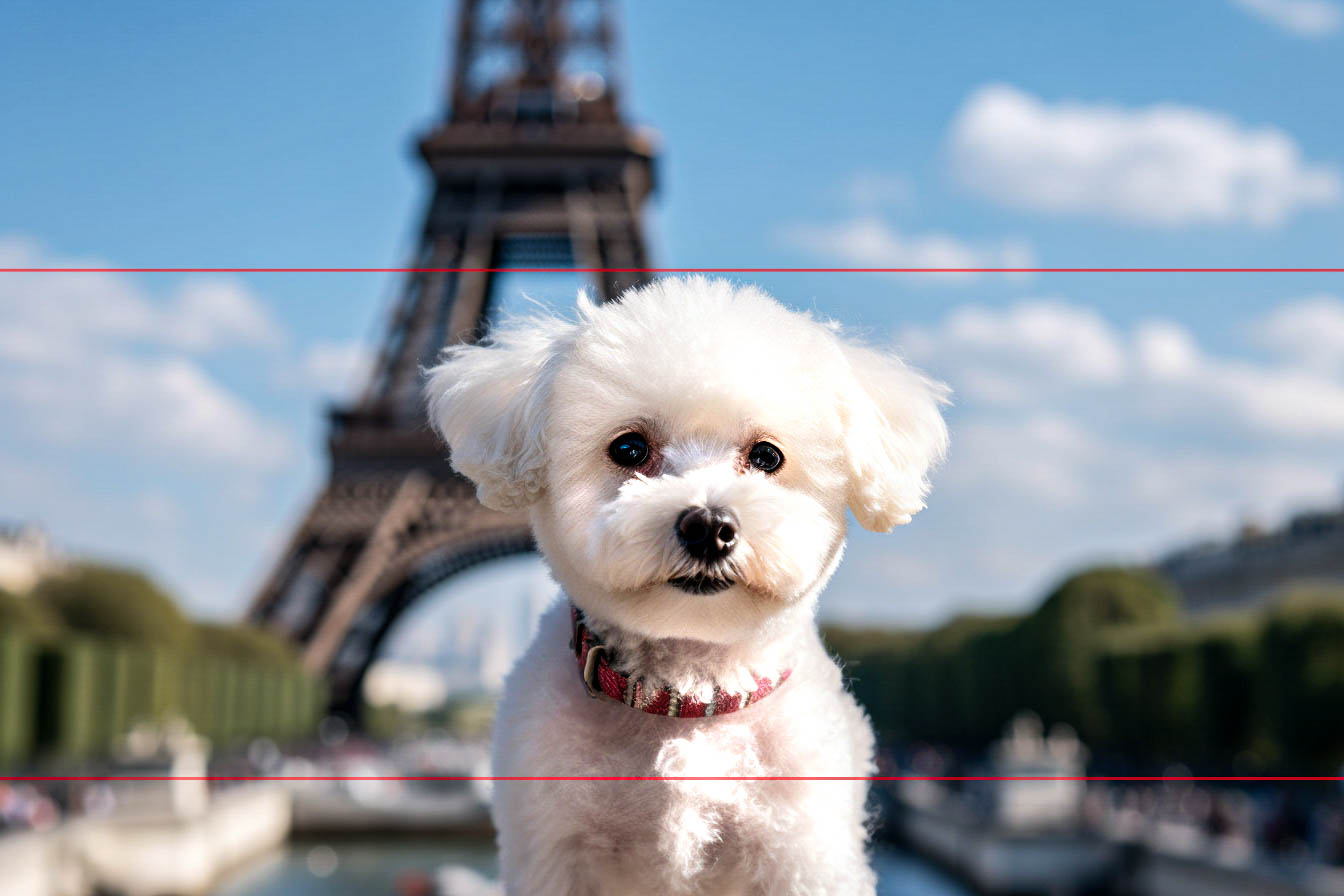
(69, 700)
(93, 651)
(1303, 661)
(24, 615)
(1108, 653)
(74, 699)
(1150, 692)
(18, 695)
(246, 643)
(112, 602)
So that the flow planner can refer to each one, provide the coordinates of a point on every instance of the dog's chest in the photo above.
(716, 766)
(712, 795)
(707, 810)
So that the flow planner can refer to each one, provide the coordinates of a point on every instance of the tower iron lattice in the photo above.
(534, 166)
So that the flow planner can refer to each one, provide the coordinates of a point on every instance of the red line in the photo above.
(1113, 778)
(1055, 270)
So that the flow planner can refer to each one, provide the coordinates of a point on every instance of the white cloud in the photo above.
(1168, 422)
(61, 312)
(1309, 332)
(1286, 403)
(90, 359)
(1157, 372)
(1165, 350)
(1042, 458)
(211, 313)
(180, 410)
(1008, 354)
(336, 368)
(1280, 400)
(1166, 164)
(1305, 18)
(869, 241)
(1077, 441)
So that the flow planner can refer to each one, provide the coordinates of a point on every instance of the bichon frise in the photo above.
(687, 454)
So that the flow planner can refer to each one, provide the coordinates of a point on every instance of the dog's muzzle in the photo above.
(701, 584)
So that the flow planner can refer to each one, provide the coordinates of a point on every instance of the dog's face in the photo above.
(688, 454)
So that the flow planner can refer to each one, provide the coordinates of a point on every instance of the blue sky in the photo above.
(174, 421)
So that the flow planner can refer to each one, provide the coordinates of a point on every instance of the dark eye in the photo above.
(628, 450)
(765, 457)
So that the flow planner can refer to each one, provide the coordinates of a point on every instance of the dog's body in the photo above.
(687, 456)
(618, 838)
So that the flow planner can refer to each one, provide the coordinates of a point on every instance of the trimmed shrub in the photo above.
(69, 720)
(1059, 642)
(111, 602)
(1303, 675)
(28, 616)
(245, 642)
(950, 671)
(1231, 712)
(1107, 653)
(1149, 689)
(18, 695)
(97, 650)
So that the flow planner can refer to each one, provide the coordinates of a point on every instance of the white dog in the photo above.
(687, 455)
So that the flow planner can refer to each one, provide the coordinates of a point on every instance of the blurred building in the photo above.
(463, 642)
(1248, 570)
(26, 555)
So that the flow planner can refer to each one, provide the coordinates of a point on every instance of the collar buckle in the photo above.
(595, 653)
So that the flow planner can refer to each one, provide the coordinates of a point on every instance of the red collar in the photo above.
(600, 678)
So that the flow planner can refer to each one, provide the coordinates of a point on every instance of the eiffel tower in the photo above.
(533, 167)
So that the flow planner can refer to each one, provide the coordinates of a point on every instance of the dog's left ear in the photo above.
(895, 434)
(488, 402)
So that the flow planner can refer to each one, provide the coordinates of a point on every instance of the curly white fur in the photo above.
(703, 369)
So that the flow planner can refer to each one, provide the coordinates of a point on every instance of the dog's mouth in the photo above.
(701, 584)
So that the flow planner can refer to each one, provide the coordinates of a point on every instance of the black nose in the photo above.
(707, 533)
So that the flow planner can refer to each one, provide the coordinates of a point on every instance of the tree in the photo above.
(28, 616)
(1061, 640)
(113, 602)
(1303, 669)
(245, 642)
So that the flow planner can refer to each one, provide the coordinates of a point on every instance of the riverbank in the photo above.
(1157, 861)
(149, 851)
(376, 866)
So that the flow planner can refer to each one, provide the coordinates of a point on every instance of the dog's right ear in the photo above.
(896, 434)
(488, 401)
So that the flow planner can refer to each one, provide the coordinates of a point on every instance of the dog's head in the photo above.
(688, 452)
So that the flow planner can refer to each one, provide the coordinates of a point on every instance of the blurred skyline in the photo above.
(174, 421)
